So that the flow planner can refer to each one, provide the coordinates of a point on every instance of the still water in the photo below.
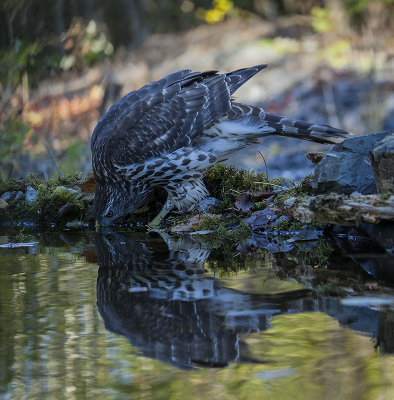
(132, 316)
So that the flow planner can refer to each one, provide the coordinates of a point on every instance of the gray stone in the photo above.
(382, 161)
(18, 196)
(346, 168)
(6, 196)
(12, 197)
(31, 194)
(207, 204)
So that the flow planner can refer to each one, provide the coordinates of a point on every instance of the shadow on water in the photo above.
(160, 296)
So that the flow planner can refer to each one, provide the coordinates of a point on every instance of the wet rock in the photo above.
(304, 236)
(382, 234)
(208, 204)
(7, 196)
(370, 247)
(380, 266)
(346, 168)
(3, 204)
(31, 194)
(382, 160)
(18, 196)
(260, 242)
(12, 197)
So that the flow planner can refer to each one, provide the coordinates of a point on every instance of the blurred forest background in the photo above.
(64, 62)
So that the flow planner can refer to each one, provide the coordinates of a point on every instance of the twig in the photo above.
(236, 191)
(272, 184)
(266, 168)
(53, 159)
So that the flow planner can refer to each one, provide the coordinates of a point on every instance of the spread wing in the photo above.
(166, 115)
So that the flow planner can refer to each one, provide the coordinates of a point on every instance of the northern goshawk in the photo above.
(168, 132)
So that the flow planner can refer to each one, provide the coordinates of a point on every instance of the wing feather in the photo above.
(164, 116)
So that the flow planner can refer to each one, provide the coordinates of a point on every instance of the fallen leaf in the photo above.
(258, 196)
(88, 185)
(260, 219)
(244, 202)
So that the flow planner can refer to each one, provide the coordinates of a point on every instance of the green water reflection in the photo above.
(54, 345)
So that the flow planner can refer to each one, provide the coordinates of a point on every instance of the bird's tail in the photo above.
(256, 122)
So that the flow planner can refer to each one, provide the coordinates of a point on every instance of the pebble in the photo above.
(18, 196)
(31, 194)
(6, 196)
(207, 204)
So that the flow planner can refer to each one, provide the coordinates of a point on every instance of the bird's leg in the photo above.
(168, 206)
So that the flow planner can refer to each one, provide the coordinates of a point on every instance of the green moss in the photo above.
(221, 177)
(52, 195)
(225, 231)
(227, 182)
(208, 223)
(337, 283)
(260, 205)
(12, 185)
(303, 188)
(292, 225)
(315, 256)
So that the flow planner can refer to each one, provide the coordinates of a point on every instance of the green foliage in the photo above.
(358, 6)
(359, 13)
(12, 134)
(85, 44)
(16, 60)
(220, 9)
(315, 256)
(76, 153)
(321, 19)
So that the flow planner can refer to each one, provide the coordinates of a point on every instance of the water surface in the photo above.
(120, 315)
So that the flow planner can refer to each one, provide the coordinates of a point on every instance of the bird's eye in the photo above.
(109, 214)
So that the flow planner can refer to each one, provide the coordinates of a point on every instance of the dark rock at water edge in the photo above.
(382, 161)
(346, 168)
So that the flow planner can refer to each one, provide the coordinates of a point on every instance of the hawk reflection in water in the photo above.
(159, 296)
(167, 133)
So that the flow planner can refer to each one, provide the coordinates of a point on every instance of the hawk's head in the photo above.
(112, 203)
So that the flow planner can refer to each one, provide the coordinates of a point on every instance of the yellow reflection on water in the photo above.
(304, 356)
(54, 345)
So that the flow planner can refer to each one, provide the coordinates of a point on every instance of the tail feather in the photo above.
(320, 133)
(262, 123)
